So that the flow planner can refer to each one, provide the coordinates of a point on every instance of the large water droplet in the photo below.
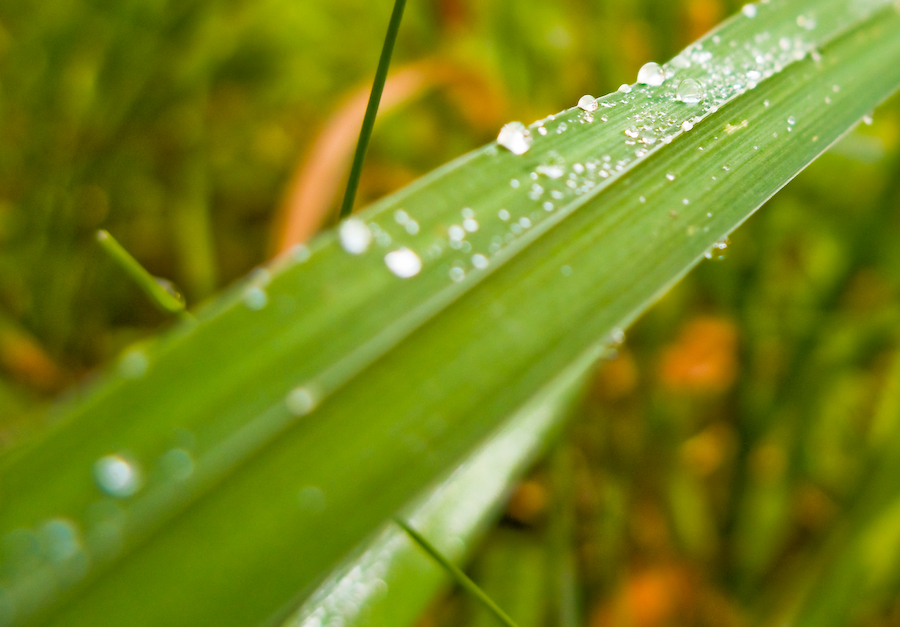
(300, 401)
(515, 137)
(588, 103)
(689, 91)
(651, 74)
(749, 10)
(403, 262)
(355, 236)
(117, 476)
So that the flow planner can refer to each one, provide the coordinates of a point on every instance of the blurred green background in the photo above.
(738, 453)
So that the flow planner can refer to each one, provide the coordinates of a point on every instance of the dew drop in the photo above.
(624, 88)
(503, 214)
(515, 138)
(514, 183)
(651, 74)
(753, 75)
(689, 91)
(551, 171)
(681, 62)
(457, 274)
(867, 120)
(749, 10)
(117, 476)
(60, 540)
(792, 120)
(300, 253)
(255, 298)
(133, 364)
(403, 262)
(588, 103)
(479, 261)
(470, 225)
(702, 56)
(670, 176)
(177, 464)
(806, 22)
(300, 401)
(355, 236)
(687, 125)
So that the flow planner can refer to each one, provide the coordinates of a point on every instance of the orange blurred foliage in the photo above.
(703, 359)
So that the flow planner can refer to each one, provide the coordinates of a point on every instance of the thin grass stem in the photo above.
(470, 586)
(165, 300)
(365, 132)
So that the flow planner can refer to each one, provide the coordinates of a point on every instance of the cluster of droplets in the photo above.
(57, 553)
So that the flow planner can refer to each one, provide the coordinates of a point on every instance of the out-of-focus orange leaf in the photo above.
(662, 594)
(703, 359)
(23, 358)
(702, 16)
(313, 190)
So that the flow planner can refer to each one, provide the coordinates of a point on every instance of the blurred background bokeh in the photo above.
(738, 453)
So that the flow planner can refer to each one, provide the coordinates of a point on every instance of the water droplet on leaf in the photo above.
(689, 91)
(651, 74)
(403, 262)
(515, 137)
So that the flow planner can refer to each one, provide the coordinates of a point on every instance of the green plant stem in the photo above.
(470, 586)
(158, 295)
(365, 132)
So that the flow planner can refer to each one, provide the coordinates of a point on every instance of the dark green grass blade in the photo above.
(459, 576)
(368, 124)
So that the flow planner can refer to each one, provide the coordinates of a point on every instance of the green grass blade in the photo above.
(150, 285)
(459, 576)
(453, 515)
(310, 403)
(368, 124)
